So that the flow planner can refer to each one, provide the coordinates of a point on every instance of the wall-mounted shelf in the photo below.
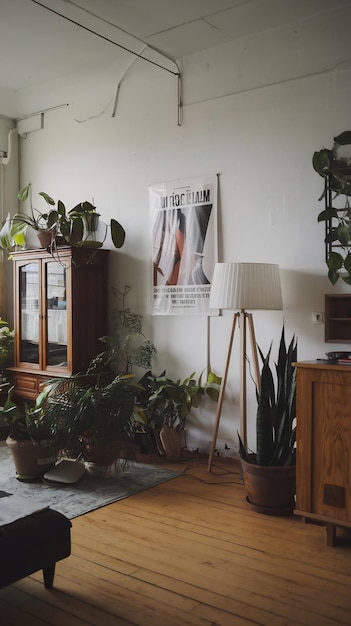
(338, 318)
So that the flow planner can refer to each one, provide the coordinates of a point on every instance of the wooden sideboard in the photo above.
(323, 470)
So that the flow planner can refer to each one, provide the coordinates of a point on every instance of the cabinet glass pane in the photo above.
(29, 312)
(56, 314)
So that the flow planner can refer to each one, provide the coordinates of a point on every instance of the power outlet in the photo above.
(317, 317)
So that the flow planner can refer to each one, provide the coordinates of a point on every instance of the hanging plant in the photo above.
(334, 165)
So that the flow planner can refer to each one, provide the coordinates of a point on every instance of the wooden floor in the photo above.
(190, 552)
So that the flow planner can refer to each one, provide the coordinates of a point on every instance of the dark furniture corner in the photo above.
(33, 543)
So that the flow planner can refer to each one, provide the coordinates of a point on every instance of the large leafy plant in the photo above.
(167, 402)
(276, 409)
(102, 412)
(336, 172)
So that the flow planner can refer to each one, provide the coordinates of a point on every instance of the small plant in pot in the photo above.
(269, 475)
(32, 436)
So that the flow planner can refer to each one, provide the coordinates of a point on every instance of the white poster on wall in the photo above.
(184, 244)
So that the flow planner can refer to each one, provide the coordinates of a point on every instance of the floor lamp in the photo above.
(238, 287)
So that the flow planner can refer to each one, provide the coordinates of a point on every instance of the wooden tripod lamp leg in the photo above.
(254, 350)
(221, 394)
(242, 399)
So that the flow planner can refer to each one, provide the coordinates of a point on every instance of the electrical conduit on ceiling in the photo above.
(136, 54)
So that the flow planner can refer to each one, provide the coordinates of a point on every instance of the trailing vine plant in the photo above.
(335, 168)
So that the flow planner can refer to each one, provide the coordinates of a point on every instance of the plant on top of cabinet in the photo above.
(334, 165)
(75, 227)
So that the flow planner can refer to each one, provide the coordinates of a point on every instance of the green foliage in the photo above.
(101, 412)
(28, 420)
(167, 402)
(127, 346)
(6, 344)
(276, 409)
(337, 179)
(70, 225)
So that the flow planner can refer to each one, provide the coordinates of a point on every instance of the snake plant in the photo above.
(276, 409)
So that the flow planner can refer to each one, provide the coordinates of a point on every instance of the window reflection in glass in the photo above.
(29, 311)
(56, 314)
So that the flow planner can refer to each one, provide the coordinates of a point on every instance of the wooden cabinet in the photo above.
(60, 312)
(338, 318)
(323, 470)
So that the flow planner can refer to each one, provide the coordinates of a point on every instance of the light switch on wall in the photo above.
(317, 317)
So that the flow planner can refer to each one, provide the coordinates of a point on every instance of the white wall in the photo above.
(254, 112)
(9, 181)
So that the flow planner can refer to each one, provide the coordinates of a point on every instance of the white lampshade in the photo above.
(246, 286)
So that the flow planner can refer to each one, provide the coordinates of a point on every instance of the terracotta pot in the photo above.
(31, 459)
(46, 237)
(270, 489)
(99, 452)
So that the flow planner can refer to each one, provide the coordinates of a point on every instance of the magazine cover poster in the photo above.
(184, 240)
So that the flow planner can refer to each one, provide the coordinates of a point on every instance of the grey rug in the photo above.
(90, 493)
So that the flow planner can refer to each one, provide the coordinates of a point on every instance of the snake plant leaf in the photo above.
(276, 409)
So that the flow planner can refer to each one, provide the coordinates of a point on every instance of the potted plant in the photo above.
(73, 226)
(44, 223)
(269, 474)
(76, 224)
(32, 436)
(95, 421)
(6, 345)
(12, 234)
(127, 346)
(335, 168)
(163, 405)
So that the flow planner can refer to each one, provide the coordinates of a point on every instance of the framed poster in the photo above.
(184, 245)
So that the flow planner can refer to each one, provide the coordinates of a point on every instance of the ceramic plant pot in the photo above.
(270, 490)
(46, 237)
(31, 459)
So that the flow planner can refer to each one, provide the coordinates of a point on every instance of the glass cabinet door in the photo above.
(56, 314)
(29, 312)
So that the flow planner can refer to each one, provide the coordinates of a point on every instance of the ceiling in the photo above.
(53, 38)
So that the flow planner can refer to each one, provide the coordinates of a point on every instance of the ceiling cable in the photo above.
(136, 54)
(93, 32)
